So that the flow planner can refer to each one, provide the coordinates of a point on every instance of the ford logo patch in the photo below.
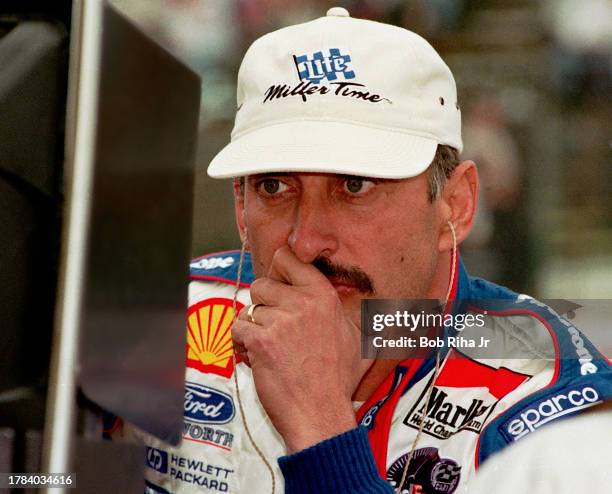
(207, 405)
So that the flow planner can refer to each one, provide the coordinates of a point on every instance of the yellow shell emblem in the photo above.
(209, 339)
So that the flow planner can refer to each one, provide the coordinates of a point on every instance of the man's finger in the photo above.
(273, 293)
(242, 333)
(239, 348)
(287, 268)
(261, 315)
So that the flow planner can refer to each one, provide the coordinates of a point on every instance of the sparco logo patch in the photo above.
(450, 410)
(207, 405)
(427, 473)
(565, 401)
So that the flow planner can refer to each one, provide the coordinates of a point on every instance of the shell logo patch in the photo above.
(209, 340)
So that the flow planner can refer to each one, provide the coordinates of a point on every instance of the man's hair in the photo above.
(445, 161)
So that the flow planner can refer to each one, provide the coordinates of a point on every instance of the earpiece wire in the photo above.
(238, 398)
(398, 489)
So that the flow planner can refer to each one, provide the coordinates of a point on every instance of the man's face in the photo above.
(372, 238)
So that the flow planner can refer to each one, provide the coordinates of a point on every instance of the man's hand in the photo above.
(303, 350)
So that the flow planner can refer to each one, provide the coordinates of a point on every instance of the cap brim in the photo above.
(326, 147)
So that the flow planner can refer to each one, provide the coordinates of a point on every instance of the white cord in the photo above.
(436, 368)
(238, 398)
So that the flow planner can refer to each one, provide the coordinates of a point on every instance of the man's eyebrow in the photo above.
(268, 174)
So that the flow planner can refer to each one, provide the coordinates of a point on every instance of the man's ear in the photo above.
(239, 189)
(458, 200)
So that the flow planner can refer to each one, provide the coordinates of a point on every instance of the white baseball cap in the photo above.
(341, 95)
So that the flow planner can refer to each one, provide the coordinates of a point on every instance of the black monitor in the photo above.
(33, 79)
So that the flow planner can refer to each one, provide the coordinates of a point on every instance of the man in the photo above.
(348, 186)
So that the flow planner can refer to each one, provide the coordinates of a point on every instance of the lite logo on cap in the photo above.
(318, 67)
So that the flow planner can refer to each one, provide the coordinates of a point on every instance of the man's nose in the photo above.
(312, 233)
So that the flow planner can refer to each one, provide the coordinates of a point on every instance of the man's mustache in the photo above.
(352, 275)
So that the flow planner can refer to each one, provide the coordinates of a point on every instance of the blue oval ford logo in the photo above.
(207, 405)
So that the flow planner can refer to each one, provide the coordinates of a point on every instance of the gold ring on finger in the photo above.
(251, 312)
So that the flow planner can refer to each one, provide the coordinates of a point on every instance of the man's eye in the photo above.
(356, 185)
(272, 186)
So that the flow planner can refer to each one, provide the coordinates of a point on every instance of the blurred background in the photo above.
(534, 80)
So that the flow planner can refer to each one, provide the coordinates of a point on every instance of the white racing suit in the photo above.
(478, 405)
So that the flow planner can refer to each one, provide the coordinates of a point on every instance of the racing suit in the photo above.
(478, 406)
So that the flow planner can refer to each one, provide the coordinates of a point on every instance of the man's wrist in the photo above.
(310, 432)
